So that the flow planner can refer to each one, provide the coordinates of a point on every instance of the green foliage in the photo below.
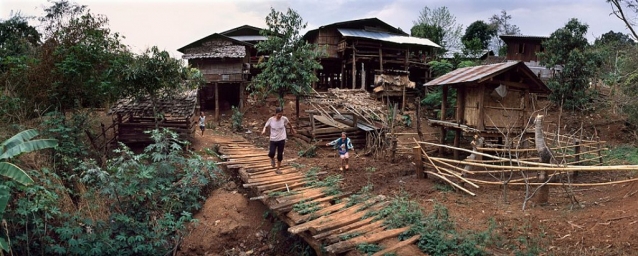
(440, 26)
(305, 207)
(407, 120)
(17, 37)
(433, 99)
(70, 133)
(440, 68)
(480, 32)
(18, 144)
(467, 63)
(622, 155)
(292, 60)
(237, 118)
(330, 183)
(567, 48)
(368, 249)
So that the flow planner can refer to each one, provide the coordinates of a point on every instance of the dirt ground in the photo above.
(603, 222)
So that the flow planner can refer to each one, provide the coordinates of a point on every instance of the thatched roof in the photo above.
(215, 46)
(178, 106)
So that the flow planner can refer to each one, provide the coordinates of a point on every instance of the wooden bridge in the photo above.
(327, 219)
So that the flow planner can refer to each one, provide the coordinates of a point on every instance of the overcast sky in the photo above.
(171, 24)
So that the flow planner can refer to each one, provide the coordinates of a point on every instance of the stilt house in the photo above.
(358, 50)
(490, 99)
(227, 61)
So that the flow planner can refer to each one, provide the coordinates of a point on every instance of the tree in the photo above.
(14, 146)
(155, 75)
(78, 49)
(477, 36)
(17, 37)
(617, 10)
(438, 23)
(567, 49)
(503, 27)
(291, 63)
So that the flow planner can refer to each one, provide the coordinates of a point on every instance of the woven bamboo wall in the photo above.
(471, 113)
(504, 112)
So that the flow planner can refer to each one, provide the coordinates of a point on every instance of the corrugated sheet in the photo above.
(249, 38)
(381, 36)
(471, 74)
(523, 36)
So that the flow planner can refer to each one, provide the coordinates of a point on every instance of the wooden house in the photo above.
(525, 48)
(227, 61)
(132, 117)
(357, 50)
(491, 100)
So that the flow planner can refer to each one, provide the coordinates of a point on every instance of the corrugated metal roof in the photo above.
(523, 36)
(249, 38)
(479, 73)
(387, 37)
(470, 74)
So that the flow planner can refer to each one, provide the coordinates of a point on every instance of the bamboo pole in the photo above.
(451, 183)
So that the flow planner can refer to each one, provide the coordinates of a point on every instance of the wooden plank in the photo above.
(288, 205)
(284, 188)
(279, 177)
(373, 238)
(281, 180)
(346, 220)
(274, 185)
(397, 246)
(344, 228)
(297, 218)
(335, 215)
(318, 200)
(365, 229)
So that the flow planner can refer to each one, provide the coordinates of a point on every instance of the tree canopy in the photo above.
(440, 26)
(477, 36)
(291, 61)
(503, 27)
(568, 50)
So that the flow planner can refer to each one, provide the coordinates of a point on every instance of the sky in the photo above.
(171, 24)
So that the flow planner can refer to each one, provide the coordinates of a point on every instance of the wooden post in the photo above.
(418, 118)
(394, 148)
(481, 108)
(216, 89)
(457, 142)
(343, 74)
(460, 108)
(407, 56)
(363, 76)
(443, 109)
(314, 84)
(418, 161)
(577, 155)
(242, 95)
(354, 67)
(312, 125)
(381, 59)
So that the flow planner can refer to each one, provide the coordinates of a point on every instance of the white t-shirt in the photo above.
(277, 128)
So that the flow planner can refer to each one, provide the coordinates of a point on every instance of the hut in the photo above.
(359, 50)
(491, 100)
(227, 61)
(132, 117)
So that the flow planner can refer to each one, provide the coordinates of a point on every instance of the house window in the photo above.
(521, 48)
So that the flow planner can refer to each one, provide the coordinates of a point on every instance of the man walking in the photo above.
(278, 137)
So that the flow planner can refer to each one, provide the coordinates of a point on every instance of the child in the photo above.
(202, 122)
(343, 145)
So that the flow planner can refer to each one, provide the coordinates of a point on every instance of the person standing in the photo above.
(202, 122)
(278, 137)
(343, 145)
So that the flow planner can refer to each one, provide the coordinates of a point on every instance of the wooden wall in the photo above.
(507, 112)
(220, 69)
(329, 38)
(524, 50)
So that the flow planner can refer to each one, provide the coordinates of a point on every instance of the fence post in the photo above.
(577, 155)
(418, 161)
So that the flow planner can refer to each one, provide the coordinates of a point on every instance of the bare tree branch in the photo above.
(617, 10)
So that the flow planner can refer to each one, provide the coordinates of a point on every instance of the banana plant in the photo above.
(18, 144)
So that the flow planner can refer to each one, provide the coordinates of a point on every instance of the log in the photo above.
(344, 228)
(318, 200)
(274, 185)
(397, 246)
(373, 238)
(344, 212)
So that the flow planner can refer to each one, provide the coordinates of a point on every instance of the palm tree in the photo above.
(14, 146)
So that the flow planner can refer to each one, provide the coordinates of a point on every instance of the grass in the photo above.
(621, 155)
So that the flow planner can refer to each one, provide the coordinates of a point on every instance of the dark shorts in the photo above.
(201, 127)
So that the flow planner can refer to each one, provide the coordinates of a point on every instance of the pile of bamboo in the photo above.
(485, 165)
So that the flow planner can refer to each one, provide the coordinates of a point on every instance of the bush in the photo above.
(139, 204)
(237, 120)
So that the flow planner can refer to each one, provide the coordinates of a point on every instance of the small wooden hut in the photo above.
(131, 117)
(490, 99)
